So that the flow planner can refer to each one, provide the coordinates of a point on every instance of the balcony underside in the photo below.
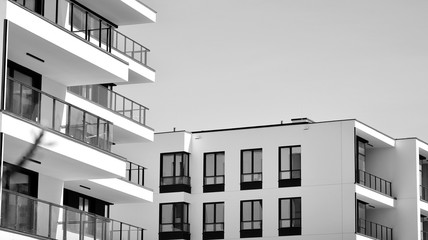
(373, 197)
(59, 156)
(112, 190)
(67, 58)
(122, 12)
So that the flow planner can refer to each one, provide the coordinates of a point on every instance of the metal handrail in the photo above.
(26, 101)
(255, 224)
(291, 174)
(113, 101)
(374, 230)
(219, 179)
(290, 222)
(217, 227)
(101, 34)
(173, 180)
(255, 177)
(374, 182)
(135, 173)
(174, 227)
(42, 218)
(129, 47)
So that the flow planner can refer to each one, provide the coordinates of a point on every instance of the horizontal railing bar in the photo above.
(381, 185)
(111, 30)
(113, 101)
(68, 208)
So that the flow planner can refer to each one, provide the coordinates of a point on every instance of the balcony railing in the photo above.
(44, 219)
(214, 227)
(374, 182)
(290, 174)
(424, 235)
(129, 47)
(88, 25)
(113, 101)
(175, 180)
(42, 108)
(424, 193)
(374, 230)
(135, 173)
(174, 227)
(250, 225)
(251, 177)
(219, 179)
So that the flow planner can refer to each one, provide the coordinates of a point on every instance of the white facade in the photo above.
(60, 60)
(333, 183)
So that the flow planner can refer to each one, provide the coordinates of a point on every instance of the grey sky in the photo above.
(230, 63)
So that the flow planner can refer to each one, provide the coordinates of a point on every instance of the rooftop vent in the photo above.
(301, 120)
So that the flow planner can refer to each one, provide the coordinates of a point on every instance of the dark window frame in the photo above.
(216, 187)
(213, 234)
(289, 182)
(184, 233)
(95, 205)
(248, 185)
(359, 176)
(289, 231)
(253, 232)
(33, 177)
(177, 186)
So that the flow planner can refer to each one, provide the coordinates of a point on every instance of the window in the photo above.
(251, 218)
(18, 212)
(251, 169)
(213, 220)
(174, 221)
(33, 5)
(424, 227)
(423, 177)
(361, 160)
(214, 172)
(86, 203)
(289, 166)
(22, 97)
(174, 172)
(290, 216)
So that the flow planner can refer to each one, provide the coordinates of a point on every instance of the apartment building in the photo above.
(299, 180)
(60, 61)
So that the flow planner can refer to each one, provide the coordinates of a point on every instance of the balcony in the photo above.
(53, 113)
(135, 173)
(214, 183)
(127, 189)
(374, 230)
(112, 101)
(251, 181)
(86, 36)
(48, 220)
(90, 26)
(174, 231)
(175, 184)
(373, 182)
